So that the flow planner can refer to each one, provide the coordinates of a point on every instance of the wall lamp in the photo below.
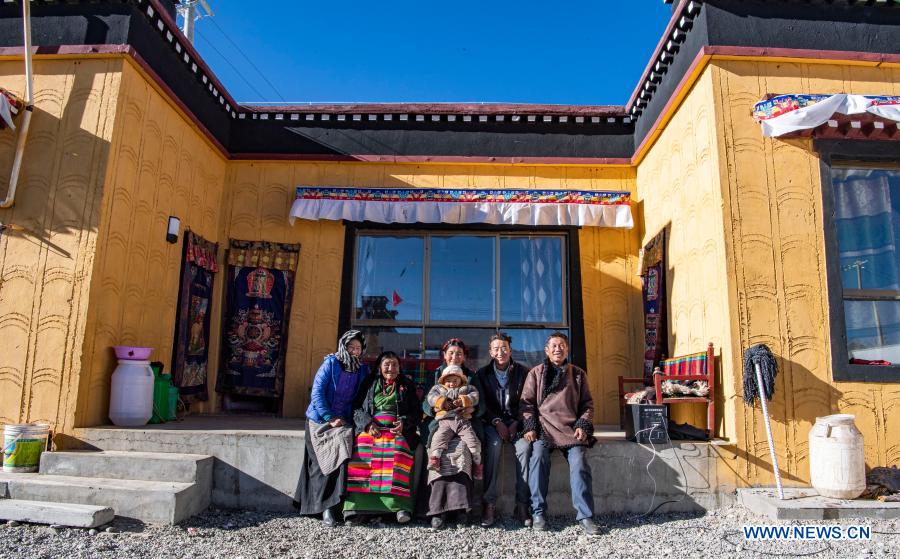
(173, 230)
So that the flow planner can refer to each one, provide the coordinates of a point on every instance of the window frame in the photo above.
(573, 311)
(842, 154)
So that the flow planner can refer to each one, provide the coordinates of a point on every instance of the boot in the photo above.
(328, 518)
(522, 514)
(488, 511)
(538, 523)
(590, 527)
(437, 522)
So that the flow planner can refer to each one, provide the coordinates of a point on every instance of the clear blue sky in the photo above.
(530, 51)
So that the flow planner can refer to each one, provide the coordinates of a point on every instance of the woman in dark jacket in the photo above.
(329, 429)
(502, 380)
(386, 415)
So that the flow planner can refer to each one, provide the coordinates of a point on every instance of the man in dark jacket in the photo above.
(558, 412)
(502, 380)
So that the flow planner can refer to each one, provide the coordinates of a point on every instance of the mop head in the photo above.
(768, 368)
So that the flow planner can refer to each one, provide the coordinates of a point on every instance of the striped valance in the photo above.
(784, 114)
(433, 205)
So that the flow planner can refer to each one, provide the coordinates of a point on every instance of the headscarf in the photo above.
(349, 362)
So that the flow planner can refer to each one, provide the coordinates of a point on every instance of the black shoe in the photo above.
(522, 515)
(328, 518)
(437, 522)
(538, 523)
(462, 518)
(590, 527)
(488, 512)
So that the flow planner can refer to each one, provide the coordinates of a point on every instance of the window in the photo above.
(412, 291)
(862, 209)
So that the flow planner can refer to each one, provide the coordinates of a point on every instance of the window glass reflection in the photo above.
(461, 278)
(531, 287)
(389, 278)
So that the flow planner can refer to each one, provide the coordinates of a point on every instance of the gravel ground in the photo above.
(243, 534)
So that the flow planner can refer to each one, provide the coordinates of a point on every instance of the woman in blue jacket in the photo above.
(329, 429)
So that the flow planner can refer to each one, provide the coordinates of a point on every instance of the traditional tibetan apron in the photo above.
(378, 475)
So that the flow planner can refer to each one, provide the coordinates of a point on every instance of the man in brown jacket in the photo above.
(558, 412)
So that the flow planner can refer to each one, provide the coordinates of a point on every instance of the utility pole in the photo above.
(187, 9)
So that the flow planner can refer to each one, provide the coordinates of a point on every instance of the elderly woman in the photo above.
(449, 488)
(502, 380)
(329, 429)
(385, 415)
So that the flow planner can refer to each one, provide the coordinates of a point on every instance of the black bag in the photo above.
(686, 432)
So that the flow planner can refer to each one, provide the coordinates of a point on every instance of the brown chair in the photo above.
(696, 366)
(622, 394)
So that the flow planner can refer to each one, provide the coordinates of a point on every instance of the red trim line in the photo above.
(444, 108)
(67, 50)
(659, 47)
(770, 52)
(434, 159)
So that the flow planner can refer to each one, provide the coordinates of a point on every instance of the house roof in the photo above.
(146, 30)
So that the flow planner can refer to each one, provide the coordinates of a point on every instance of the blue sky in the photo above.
(578, 52)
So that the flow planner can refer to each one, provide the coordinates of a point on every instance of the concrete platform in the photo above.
(147, 466)
(155, 502)
(258, 460)
(65, 514)
(806, 504)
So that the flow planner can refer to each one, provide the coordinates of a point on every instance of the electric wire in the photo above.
(247, 58)
(227, 61)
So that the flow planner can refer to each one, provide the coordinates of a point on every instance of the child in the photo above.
(453, 401)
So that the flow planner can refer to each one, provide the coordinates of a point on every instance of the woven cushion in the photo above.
(693, 364)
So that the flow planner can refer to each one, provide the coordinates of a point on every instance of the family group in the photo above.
(363, 428)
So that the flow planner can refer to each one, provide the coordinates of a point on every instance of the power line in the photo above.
(247, 58)
(227, 61)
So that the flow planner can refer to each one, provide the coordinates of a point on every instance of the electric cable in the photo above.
(227, 61)
(247, 58)
(684, 492)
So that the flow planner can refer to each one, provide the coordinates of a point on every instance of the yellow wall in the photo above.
(260, 194)
(46, 272)
(776, 257)
(159, 165)
(678, 191)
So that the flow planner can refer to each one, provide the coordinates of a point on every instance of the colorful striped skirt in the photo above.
(379, 473)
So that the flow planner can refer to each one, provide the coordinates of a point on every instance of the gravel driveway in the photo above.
(242, 534)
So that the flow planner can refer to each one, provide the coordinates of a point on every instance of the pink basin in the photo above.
(133, 353)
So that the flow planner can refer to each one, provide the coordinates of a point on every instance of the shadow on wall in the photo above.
(48, 249)
(800, 397)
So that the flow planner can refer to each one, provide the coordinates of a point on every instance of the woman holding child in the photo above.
(449, 481)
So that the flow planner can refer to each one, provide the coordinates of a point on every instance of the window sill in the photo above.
(868, 373)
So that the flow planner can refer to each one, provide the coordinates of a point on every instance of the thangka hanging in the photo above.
(260, 283)
(190, 354)
(784, 114)
(653, 277)
(438, 205)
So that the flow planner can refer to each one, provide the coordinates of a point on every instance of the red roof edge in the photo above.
(443, 108)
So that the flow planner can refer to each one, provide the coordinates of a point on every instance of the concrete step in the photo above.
(155, 502)
(66, 514)
(147, 466)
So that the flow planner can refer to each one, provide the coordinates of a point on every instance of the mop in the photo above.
(760, 369)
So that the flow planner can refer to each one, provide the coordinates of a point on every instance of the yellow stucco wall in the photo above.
(678, 190)
(46, 271)
(159, 165)
(260, 194)
(776, 259)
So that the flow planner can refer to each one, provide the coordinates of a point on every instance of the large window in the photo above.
(415, 290)
(863, 237)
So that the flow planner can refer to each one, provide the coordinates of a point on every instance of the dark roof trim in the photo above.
(456, 159)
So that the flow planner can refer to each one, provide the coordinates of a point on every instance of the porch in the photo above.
(258, 459)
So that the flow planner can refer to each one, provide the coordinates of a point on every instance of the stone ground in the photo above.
(244, 534)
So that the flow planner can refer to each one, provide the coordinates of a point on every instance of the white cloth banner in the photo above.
(789, 113)
(324, 205)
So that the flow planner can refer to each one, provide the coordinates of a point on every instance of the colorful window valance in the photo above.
(431, 205)
(789, 113)
(201, 252)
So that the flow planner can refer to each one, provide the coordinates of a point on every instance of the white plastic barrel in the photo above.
(837, 458)
(131, 393)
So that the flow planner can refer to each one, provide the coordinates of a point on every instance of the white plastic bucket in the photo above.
(837, 457)
(131, 393)
(22, 446)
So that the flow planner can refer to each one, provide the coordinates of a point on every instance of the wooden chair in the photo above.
(696, 366)
(622, 382)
